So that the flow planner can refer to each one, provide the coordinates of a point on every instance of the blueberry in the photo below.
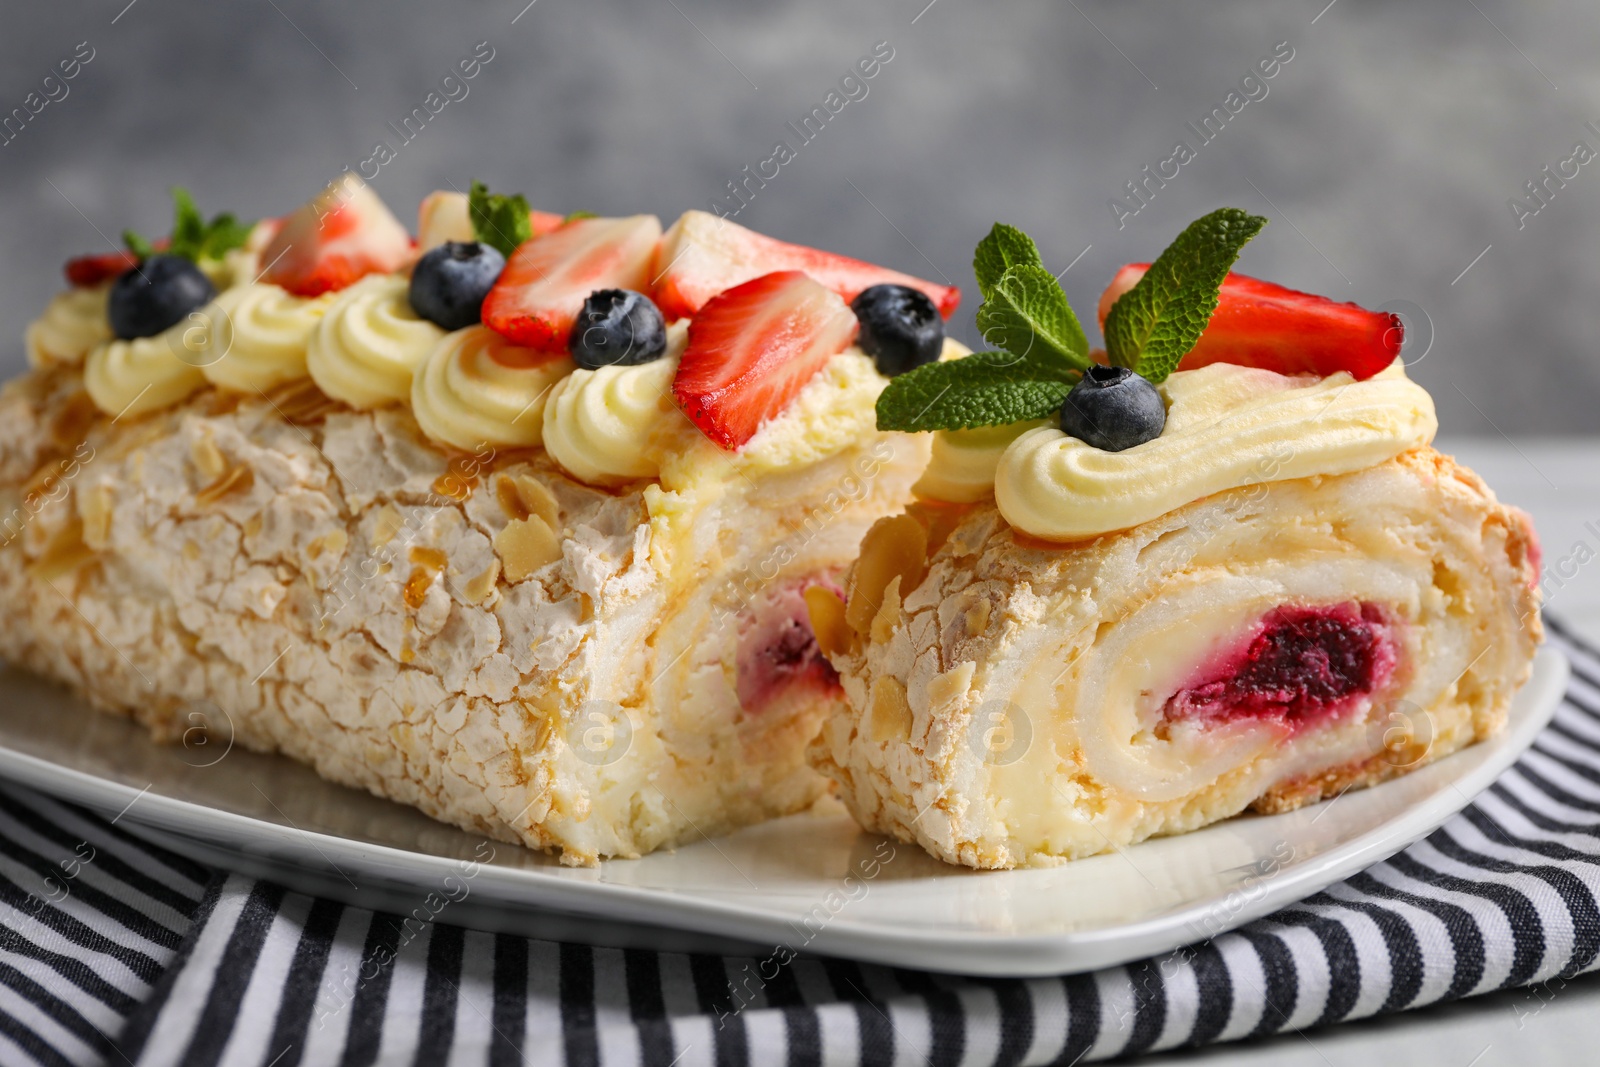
(617, 328)
(448, 283)
(156, 294)
(1113, 408)
(900, 328)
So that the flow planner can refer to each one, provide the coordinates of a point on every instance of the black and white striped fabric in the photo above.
(115, 951)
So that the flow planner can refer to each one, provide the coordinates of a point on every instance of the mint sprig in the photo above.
(193, 237)
(1154, 325)
(499, 221)
(1040, 350)
(983, 389)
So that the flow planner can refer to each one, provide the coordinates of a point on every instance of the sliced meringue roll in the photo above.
(1018, 702)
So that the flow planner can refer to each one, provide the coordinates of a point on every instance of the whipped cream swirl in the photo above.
(964, 461)
(369, 343)
(600, 424)
(145, 374)
(476, 388)
(258, 336)
(1227, 426)
(73, 323)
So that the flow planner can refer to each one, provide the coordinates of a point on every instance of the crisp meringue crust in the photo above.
(464, 652)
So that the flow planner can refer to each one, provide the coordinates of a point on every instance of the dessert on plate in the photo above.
(512, 522)
(1215, 567)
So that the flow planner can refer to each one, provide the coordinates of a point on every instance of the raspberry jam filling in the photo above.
(1301, 666)
(778, 651)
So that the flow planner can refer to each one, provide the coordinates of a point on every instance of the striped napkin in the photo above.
(116, 951)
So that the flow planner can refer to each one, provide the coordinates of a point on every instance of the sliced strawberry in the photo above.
(86, 272)
(752, 348)
(547, 279)
(702, 255)
(341, 236)
(1259, 324)
(544, 222)
(445, 216)
(263, 232)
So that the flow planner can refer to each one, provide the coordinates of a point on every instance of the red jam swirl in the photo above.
(1301, 665)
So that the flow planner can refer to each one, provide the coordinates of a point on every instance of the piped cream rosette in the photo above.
(73, 323)
(147, 373)
(370, 342)
(1227, 426)
(477, 389)
(258, 336)
(601, 425)
(963, 463)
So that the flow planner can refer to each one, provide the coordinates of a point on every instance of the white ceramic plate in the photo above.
(808, 883)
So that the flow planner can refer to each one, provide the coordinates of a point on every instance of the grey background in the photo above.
(1384, 152)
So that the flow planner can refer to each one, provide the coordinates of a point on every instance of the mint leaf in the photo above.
(193, 237)
(983, 389)
(138, 245)
(1154, 325)
(1026, 313)
(1004, 248)
(223, 234)
(499, 221)
(188, 225)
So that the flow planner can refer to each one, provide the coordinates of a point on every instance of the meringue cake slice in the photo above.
(1015, 702)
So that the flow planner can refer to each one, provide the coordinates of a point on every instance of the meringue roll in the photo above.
(528, 597)
(1029, 682)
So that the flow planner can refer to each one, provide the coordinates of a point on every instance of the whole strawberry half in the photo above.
(753, 348)
(335, 240)
(703, 255)
(1259, 324)
(547, 279)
